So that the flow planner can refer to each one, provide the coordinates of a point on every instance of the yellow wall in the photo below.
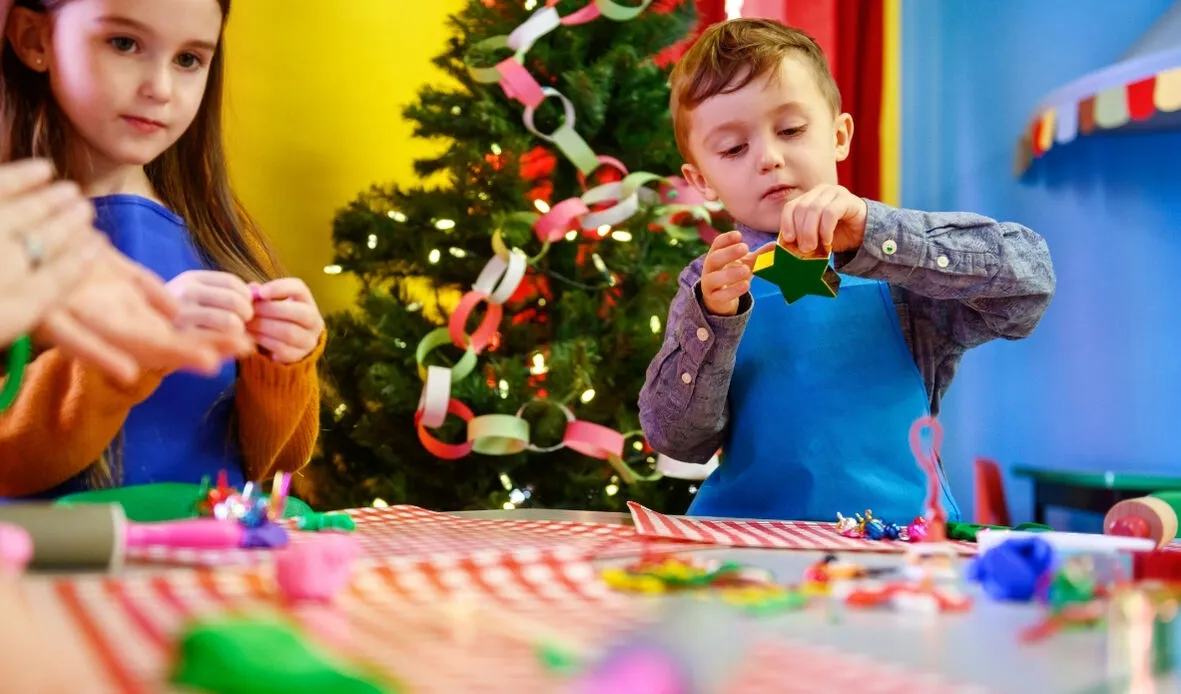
(313, 115)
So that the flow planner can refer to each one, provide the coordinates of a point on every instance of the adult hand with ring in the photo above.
(47, 244)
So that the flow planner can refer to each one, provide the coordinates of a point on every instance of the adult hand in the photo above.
(47, 243)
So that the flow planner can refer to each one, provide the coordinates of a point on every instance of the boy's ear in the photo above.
(29, 34)
(697, 179)
(843, 136)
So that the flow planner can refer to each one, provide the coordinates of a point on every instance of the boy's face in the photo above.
(765, 144)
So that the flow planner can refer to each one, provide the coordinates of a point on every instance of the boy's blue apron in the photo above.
(821, 402)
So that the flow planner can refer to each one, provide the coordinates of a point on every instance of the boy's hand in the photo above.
(286, 321)
(827, 217)
(725, 277)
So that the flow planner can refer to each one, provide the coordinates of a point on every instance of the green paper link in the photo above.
(621, 13)
(436, 339)
(488, 75)
(575, 148)
(498, 434)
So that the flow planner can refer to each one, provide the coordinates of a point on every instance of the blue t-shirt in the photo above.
(182, 432)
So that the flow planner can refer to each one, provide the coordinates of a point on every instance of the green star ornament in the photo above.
(798, 276)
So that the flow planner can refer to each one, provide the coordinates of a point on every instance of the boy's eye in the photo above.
(123, 44)
(188, 61)
(733, 151)
(792, 131)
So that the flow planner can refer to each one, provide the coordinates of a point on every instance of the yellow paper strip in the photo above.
(1045, 138)
(1167, 94)
(1111, 107)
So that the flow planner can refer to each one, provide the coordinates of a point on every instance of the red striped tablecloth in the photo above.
(394, 618)
(764, 534)
(410, 531)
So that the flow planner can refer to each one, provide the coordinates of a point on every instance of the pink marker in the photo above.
(196, 533)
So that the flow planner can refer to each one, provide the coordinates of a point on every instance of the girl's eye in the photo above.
(123, 44)
(188, 61)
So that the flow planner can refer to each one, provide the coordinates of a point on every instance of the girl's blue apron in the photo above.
(821, 402)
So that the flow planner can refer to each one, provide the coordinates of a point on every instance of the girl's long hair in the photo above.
(190, 176)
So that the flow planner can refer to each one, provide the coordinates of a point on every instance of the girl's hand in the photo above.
(213, 302)
(286, 321)
(122, 318)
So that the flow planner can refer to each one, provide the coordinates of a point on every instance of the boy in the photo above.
(812, 402)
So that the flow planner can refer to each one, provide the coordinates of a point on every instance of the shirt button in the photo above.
(702, 334)
(889, 247)
(942, 261)
(686, 378)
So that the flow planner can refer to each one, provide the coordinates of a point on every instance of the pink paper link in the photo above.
(586, 14)
(593, 440)
(518, 84)
(561, 218)
(929, 462)
(458, 323)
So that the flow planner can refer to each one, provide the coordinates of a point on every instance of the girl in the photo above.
(125, 97)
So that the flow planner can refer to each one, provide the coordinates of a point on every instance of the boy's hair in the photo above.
(730, 55)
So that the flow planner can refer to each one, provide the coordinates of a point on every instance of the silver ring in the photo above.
(34, 250)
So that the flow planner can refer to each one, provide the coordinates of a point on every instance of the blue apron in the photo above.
(821, 402)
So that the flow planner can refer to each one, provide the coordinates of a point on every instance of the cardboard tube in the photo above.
(84, 537)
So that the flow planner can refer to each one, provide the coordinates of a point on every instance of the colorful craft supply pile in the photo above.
(870, 528)
(753, 590)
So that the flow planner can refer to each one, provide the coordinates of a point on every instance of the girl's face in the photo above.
(130, 74)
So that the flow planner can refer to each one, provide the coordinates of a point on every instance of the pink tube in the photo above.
(197, 533)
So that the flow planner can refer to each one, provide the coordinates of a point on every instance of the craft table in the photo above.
(1094, 492)
(386, 608)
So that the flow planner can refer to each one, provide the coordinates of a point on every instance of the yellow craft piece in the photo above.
(764, 261)
(619, 579)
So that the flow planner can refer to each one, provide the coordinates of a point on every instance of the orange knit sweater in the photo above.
(68, 413)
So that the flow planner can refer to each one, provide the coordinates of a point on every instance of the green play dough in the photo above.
(326, 521)
(164, 501)
(967, 531)
(261, 656)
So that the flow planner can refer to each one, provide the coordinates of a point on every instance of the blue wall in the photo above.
(1098, 386)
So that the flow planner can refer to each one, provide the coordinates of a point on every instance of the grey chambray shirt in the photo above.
(958, 280)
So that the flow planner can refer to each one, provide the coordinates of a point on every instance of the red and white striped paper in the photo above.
(410, 531)
(393, 619)
(766, 534)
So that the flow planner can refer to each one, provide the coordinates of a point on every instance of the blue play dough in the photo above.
(1012, 570)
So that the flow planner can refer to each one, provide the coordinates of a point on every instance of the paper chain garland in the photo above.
(605, 205)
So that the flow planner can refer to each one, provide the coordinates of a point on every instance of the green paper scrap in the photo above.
(261, 656)
(162, 501)
(313, 522)
(967, 532)
(797, 277)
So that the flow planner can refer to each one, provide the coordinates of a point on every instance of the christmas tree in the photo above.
(571, 338)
